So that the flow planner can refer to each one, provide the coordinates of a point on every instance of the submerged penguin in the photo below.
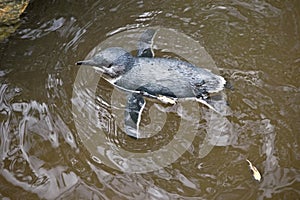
(164, 79)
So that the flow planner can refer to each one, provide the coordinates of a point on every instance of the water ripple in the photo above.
(255, 44)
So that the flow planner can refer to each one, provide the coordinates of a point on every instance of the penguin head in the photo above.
(113, 61)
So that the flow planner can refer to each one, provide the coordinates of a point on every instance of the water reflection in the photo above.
(256, 44)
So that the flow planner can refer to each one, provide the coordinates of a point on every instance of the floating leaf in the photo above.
(256, 173)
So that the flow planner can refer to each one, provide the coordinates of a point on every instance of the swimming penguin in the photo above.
(164, 79)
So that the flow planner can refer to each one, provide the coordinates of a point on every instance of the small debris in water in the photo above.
(166, 99)
(256, 173)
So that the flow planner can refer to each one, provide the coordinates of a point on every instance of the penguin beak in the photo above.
(91, 63)
(86, 62)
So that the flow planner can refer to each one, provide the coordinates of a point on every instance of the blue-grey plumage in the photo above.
(175, 78)
(158, 76)
(145, 75)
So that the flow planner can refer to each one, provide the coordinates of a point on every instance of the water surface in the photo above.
(256, 46)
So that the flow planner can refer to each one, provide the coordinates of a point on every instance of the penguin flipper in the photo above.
(133, 113)
(217, 103)
(145, 44)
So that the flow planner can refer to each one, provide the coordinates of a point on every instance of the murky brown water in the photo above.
(256, 46)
